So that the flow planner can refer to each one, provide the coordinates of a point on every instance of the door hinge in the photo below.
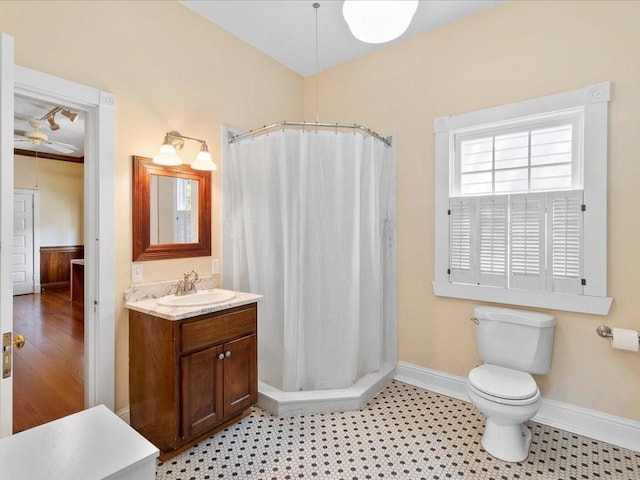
(449, 212)
(448, 271)
(583, 207)
(583, 281)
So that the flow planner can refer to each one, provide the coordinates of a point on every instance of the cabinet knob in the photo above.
(221, 356)
(227, 353)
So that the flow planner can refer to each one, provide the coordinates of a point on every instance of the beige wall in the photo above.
(61, 190)
(514, 52)
(169, 69)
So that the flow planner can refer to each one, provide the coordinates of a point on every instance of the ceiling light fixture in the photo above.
(378, 21)
(174, 141)
(70, 115)
(52, 123)
(50, 117)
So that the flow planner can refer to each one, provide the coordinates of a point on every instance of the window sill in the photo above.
(525, 298)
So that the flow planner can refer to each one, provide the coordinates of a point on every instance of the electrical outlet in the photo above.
(215, 266)
(136, 272)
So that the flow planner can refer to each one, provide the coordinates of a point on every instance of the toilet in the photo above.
(513, 344)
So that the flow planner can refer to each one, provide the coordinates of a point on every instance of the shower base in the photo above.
(286, 404)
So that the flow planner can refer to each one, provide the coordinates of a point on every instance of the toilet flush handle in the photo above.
(475, 320)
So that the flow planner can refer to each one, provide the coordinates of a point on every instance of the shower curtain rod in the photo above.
(314, 125)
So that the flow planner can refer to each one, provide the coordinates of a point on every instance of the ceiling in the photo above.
(285, 30)
(28, 109)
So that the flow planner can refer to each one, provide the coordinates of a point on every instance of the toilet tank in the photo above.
(516, 339)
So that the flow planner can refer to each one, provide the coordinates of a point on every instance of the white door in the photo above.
(23, 275)
(6, 222)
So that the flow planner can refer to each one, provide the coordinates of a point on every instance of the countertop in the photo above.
(151, 307)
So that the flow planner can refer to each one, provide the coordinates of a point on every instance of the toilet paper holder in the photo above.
(605, 331)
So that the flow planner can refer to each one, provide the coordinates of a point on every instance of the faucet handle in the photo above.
(187, 275)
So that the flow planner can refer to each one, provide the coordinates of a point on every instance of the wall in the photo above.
(169, 69)
(516, 51)
(61, 186)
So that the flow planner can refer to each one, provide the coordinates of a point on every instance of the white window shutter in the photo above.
(183, 226)
(565, 239)
(492, 244)
(527, 233)
(461, 238)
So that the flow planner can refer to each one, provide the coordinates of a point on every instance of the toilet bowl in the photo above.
(507, 398)
(513, 344)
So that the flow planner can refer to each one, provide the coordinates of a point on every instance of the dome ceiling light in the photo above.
(378, 21)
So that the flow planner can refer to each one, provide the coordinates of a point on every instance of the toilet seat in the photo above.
(503, 385)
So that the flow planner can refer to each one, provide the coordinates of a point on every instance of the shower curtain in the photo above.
(309, 218)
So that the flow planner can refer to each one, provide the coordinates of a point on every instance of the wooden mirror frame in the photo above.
(143, 168)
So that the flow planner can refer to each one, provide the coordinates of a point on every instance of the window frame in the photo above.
(592, 100)
(571, 117)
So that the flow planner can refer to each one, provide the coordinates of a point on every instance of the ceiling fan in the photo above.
(36, 137)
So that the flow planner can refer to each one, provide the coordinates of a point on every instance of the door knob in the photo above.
(227, 353)
(221, 356)
(18, 341)
(7, 345)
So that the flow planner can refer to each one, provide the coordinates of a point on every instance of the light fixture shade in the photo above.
(52, 123)
(167, 155)
(70, 115)
(203, 160)
(378, 21)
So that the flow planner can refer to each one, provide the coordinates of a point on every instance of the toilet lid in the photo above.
(503, 382)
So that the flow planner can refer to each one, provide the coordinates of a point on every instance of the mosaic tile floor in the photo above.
(405, 433)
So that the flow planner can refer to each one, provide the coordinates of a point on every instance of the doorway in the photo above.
(99, 202)
(48, 371)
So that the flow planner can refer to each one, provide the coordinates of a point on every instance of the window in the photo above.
(183, 228)
(521, 203)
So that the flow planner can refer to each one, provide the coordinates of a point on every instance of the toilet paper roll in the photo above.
(625, 339)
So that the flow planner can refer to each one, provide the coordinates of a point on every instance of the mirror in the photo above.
(174, 210)
(171, 211)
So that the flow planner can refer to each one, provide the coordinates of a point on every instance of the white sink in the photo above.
(206, 297)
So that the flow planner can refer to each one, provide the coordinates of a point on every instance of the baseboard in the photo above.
(61, 285)
(572, 418)
(124, 414)
(432, 380)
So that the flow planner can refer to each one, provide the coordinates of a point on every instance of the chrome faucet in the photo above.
(187, 285)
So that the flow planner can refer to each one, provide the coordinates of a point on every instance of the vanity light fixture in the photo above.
(167, 155)
(174, 141)
(378, 21)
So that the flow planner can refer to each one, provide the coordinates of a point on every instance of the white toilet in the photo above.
(513, 344)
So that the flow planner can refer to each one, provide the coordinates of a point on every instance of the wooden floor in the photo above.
(48, 374)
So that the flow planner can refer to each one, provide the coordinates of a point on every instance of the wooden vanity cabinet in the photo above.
(189, 377)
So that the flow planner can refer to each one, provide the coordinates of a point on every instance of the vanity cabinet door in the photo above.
(201, 376)
(240, 375)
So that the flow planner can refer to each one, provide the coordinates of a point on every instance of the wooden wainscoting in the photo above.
(55, 269)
